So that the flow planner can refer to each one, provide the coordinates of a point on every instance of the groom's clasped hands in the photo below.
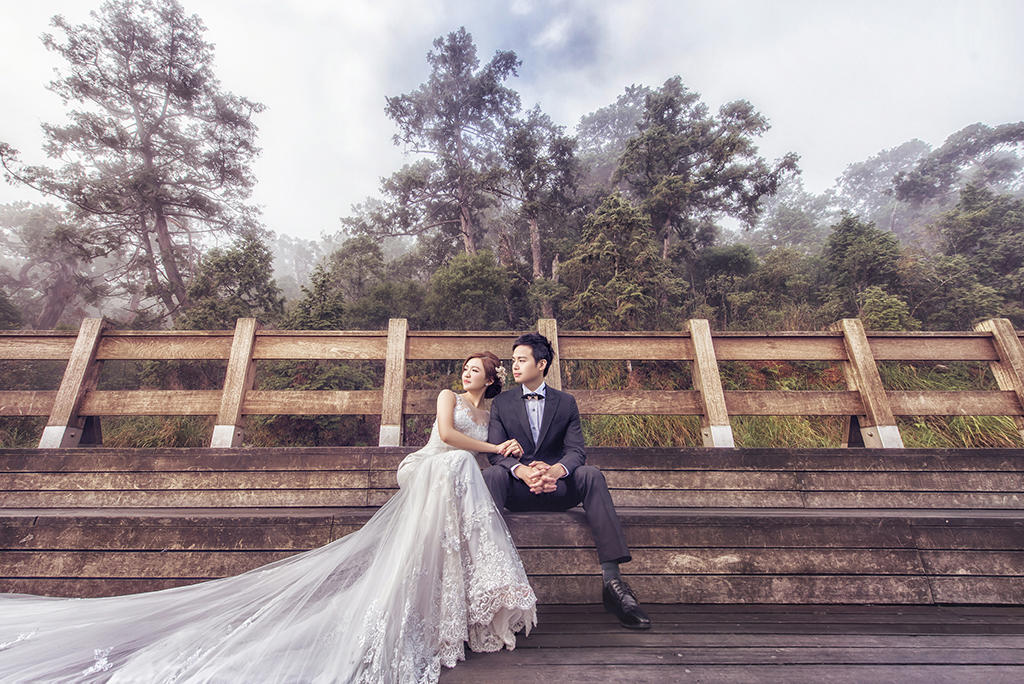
(538, 476)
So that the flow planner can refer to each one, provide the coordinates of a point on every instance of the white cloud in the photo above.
(839, 81)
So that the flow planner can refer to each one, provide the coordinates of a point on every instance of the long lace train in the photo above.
(434, 568)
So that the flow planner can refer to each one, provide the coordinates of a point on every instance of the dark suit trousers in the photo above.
(585, 485)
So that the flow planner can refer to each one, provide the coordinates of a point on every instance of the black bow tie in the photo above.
(533, 395)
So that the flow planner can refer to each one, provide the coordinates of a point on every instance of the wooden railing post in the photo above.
(394, 383)
(228, 430)
(548, 327)
(877, 425)
(715, 428)
(1009, 369)
(65, 427)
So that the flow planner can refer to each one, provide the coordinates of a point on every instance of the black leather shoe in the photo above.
(620, 600)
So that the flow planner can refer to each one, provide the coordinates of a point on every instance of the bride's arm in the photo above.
(446, 427)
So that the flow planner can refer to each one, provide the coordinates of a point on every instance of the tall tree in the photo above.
(49, 265)
(978, 154)
(616, 278)
(988, 230)
(233, 283)
(857, 256)
(602, 135)
(455, 120)
(542, 174)
(689, 167)
(865, 189)
(156, 152)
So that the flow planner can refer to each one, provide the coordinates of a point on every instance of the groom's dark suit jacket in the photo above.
(560, 441)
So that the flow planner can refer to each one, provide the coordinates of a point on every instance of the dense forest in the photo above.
(648, 211)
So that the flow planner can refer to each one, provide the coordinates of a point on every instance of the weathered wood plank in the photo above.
(391, 419)
(715, 430)
(190, 345)
(1008, 369)
(128, 564)
(64, 427)
(878, 426)
(209, 498)
(135, 533)
(37, 346)
(456, 346)
(27, 402)
(151, 403)
(238, 379)
(743, 561)
(523, 671)
(287, 479)
(548, 327)
(649, 347)
(960, 403)
(312, 402)
(792, 403)
(951, 346)
(774, 347)
(798, 589)
(967, 563)
(282, 345)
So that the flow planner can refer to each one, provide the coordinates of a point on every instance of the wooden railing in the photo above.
(870, 408)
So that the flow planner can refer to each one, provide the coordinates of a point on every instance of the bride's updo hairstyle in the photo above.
(491, 363)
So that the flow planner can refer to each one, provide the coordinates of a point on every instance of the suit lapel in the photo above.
(519, 410)
(551, 400)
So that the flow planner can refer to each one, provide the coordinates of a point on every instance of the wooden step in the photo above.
(680, 555)
(364, 476)
(706, 525)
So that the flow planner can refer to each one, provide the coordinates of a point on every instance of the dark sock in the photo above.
(610, 570)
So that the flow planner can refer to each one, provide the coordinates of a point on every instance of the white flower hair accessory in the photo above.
(502, 373)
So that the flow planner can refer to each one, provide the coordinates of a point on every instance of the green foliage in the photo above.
(689, 167)
(230, 284)
(469, 294)
(156, 153)
(988, 231)
(456, 118)
(616, 277)
(880, 310)
(51, 264)
(977, 154)
(944, 292)
(10, 317)
(858, 255)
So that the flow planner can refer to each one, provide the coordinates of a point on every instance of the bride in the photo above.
(433, 568)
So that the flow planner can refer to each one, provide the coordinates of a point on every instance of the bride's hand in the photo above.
(510, 448)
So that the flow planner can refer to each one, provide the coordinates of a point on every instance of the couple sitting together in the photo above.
(434, 568)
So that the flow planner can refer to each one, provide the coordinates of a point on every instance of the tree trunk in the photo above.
(57, 297)
(169, 261)
(664, 241)
(538, 268)
(466, 226)
(154, 275)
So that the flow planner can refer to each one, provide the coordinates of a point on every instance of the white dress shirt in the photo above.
(535, 416)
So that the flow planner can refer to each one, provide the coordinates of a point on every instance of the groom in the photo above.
(549, 472)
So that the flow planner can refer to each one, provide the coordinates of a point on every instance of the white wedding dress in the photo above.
(392, 602)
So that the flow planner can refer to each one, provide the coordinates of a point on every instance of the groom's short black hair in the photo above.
(539, 345)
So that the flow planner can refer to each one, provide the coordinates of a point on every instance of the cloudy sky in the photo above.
(838, 80)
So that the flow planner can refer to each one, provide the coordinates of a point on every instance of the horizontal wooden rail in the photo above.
(847, 344)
